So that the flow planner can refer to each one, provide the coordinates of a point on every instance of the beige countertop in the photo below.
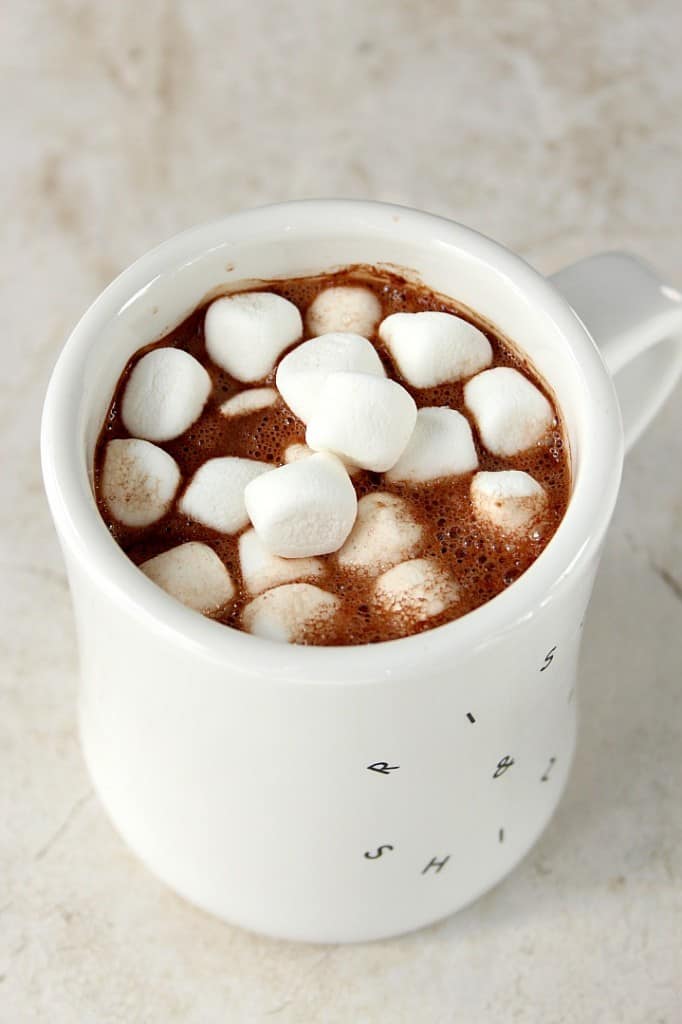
(559, 134)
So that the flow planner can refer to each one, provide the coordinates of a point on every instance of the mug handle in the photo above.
(636, 321)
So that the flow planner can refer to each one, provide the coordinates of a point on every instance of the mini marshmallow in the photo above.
(139, 481)
(215, 494)
(296, 452)
(286, 613)
(345, 308)
(262, 570)
(510, 412)
(384, 533)
(365, 420)
(245, 333)
(193, 574)
(432, 348)
(165, 394)
(249, 401)
(510, 499)
(305, 508)
(441, 445)
(419, 589)
(302, 373)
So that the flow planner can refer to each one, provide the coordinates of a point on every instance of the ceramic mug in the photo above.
(344, 794)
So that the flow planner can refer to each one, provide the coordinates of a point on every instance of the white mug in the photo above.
(345, 794)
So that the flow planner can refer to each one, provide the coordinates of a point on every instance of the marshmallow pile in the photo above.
(356, 418)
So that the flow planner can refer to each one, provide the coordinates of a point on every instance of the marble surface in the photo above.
(557, 133)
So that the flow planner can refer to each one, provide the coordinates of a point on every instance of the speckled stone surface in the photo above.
(556, 131)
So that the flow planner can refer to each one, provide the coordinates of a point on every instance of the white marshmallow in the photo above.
(345, 308)
(215, 494)
(296, 452)
(193, 574)
(419, 589)
(441, 445)
(363, 419)
(384, 533)
(249, 401)
(262, 570)
(165, 394)
(302, 373)
(245, 333)
(432, 348)
(510, 412)
(286, 613)
(305, 508)
(139, 481)
(510, 499)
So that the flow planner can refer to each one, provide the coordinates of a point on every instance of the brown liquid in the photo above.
(483, 561)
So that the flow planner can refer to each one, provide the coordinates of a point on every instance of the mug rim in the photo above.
(84, 534)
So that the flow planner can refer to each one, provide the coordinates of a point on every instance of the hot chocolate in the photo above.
(426, 461)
